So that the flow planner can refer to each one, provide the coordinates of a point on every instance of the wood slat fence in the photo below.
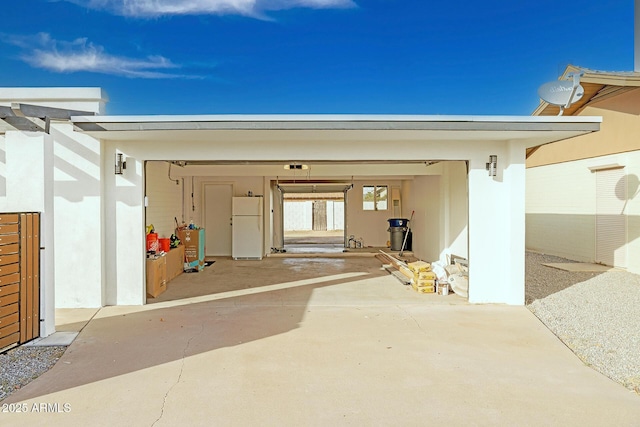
(19, 278)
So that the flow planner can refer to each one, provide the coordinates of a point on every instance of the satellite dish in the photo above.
(562, 93)
(558, 93)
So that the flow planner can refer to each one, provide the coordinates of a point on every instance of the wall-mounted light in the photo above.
(492, 166)
(121, 164)
(296, 166)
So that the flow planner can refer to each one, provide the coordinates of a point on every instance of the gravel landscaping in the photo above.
(595, 314)
(21, 365)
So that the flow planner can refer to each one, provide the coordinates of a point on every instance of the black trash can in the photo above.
(397, 229)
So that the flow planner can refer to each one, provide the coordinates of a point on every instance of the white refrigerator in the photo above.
(247, 236)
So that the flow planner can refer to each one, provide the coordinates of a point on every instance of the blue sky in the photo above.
(311, 56)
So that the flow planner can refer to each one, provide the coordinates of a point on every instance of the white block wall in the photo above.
(298, 216)
(560, 210)
(561, 207)
(335, 215)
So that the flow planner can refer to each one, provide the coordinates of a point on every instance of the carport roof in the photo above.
(535, 130)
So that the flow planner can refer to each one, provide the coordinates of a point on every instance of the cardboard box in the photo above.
(175, 262)
(156, 276)
(193, 242)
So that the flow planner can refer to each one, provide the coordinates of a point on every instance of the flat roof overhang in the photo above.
(532, 130)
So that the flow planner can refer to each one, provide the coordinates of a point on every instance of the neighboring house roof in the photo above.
(597, 85)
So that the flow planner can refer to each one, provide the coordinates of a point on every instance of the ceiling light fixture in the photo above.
(296, 166)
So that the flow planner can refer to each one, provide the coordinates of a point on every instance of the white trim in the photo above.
(334, 117)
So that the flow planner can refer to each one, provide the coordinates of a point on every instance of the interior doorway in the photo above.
(217, 219)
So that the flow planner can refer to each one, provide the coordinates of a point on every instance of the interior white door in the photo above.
(217, 219)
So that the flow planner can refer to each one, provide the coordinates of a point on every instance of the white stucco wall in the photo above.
(26, 185)
(90, 99)
(426, 223)
(77, 189)
(440, 224)
(62, 179)
(124, 223)
(496, 227)
(59, 175)
(455, 211)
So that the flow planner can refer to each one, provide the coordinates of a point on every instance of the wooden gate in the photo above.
(19, 278)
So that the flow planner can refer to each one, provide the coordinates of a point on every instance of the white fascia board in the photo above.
(337, 122)
(334, 118)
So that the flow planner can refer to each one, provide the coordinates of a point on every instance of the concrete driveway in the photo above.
(316, 342)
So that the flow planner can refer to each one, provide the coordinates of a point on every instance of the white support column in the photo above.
(124, 225)
(47, 239)
(496, 229)
(515, 177)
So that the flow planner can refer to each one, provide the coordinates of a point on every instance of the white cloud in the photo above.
(155, 8)
(41, 51)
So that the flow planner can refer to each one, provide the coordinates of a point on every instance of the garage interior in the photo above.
(312, 209)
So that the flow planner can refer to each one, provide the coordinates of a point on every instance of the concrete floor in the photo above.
(316, 341)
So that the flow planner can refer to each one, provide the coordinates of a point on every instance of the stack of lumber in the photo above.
(396, 264)
(418, 274)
